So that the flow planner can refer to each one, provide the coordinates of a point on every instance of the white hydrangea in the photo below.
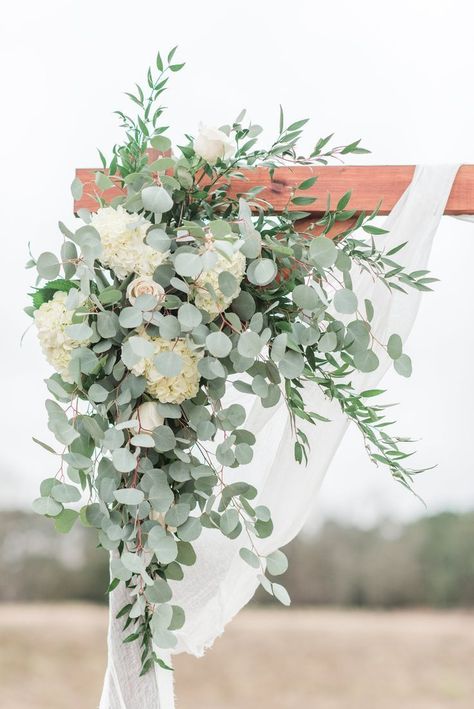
(170, 390)
(51, 320)
(216, 304)
(123, 242)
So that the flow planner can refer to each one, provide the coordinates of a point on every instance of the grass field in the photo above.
(53, 657)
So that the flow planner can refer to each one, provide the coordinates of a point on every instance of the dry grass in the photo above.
(52, 657)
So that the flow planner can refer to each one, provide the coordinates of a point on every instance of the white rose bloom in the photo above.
(170, 390)
(148, 417)
(144, 285)
(212, 143)
(123, 242)
(51, 320)
(216, 304)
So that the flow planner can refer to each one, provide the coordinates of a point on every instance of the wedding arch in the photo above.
(228, 286)
(375, 186)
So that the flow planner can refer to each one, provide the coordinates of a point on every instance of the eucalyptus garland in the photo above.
(168, 297)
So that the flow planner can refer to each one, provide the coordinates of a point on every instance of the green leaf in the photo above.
(129, 496)
(103, 181)
(164, 545)
(250, 558)
(229, 520)
(110, 295)
(169, 327)
(219, 344)
(169, 364)
(76, 189)
(62, 492)
(78, 460)
(190, 530)
(366, 361)
(306, 184)
(262, 271)
(291, 365)
(161, 496)
(278, 347)
(79, 332)
(142, 440)
(65, 521)
(249, 344)
(306, 297)
(369, 309)
(374, 230)
(87, 360)
(58, 423)
(141, 346)
(45, 446)
(186, 554)
(323, 252)
(177, 619)
(48, 266)
(303, 200)
(130, 317)
(133, 562)
(327, 342)
(156, 199)
(345, 301)
(159, 592)
(395, 346)
(46, 293)
(47, 506)
(189, 316)
(277, 563)
(158, 239)
(359, 336)
(164, 439)
(188, 265)
(161, 142)
(281, 594)
(403, 365)
(107, 324)
(228, 283)
(243, 453)
(123, 460)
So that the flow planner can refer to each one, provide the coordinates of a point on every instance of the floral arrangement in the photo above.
(163, 300)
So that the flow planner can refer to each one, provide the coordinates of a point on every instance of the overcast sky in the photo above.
(398, 75)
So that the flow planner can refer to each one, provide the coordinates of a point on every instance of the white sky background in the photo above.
(399, 75)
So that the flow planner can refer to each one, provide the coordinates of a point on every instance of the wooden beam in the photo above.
(369, 185)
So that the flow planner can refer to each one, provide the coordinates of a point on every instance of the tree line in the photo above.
(429, 562)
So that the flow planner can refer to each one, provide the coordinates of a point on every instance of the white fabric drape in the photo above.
(220, 583)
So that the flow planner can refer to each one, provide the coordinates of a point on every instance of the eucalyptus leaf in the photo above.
(218, 344)
(403, 365)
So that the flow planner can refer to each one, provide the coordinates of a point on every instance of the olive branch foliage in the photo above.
(296, 322)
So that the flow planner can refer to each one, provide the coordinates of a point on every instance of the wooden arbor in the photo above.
(370, 185)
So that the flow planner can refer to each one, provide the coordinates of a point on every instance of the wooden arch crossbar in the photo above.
(370, 185)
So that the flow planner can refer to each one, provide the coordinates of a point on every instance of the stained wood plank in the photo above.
(369, 185)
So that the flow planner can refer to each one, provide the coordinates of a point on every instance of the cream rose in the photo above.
(144, 285)
(212, 143)
(148, 417)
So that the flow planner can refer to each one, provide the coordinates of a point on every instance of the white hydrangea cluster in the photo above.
(51, 320)
(170, 390)
(216, 304)
(123, 242)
